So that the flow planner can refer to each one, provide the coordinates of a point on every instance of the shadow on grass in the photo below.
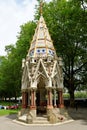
(12, 114)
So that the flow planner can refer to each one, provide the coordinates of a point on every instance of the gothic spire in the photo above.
(41, 45)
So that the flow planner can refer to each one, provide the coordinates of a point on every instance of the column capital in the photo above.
(33, 89)
(24, 90)
(49, 88)
(60, 89)
(54, 88)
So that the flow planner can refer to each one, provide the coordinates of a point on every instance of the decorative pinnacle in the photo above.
(41, 7)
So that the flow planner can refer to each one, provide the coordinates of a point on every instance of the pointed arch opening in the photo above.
(41, 95)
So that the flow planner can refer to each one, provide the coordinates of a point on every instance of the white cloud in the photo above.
(12, 15)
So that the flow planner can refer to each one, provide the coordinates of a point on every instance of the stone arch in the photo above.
(41, 94)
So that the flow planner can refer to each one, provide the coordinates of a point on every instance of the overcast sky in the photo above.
(14, 13)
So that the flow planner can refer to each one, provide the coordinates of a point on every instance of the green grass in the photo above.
(8, 112)
(4, 112)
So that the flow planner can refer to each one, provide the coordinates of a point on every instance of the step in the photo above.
(40, 120)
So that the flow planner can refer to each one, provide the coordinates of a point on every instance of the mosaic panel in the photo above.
(41, 50)
(51, 52)
(31, 53)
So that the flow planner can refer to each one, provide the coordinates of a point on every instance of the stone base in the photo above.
(61, 106)
(32, 107)
(33, 113)
(27, 115)
(23, 112)
(54, 115)
(49, 107)
(55, 106)
(65, 113)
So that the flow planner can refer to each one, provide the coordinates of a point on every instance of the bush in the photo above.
(78, 94)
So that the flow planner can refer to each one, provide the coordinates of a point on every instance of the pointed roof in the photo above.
(41, 45)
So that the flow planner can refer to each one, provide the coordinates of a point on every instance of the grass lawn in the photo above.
(7, 112)
(4, 112)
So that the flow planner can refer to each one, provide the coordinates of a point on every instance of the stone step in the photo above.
(40, 120)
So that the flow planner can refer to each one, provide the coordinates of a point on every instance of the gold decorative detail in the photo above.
(41, 7)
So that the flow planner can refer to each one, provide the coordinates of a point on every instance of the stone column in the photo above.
(49, 100)
(33, 102)
(24, 99)
(28, 98)
(55, 98)
(60, 98)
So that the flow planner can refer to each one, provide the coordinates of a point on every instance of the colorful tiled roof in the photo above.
(41, 45)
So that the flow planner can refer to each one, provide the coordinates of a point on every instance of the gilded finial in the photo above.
(41, 7)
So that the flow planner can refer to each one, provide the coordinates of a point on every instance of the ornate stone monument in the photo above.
(42, 79)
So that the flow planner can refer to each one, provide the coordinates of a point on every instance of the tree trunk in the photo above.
(15, 98)
(5, 98)
(9, 99)
(71, 92)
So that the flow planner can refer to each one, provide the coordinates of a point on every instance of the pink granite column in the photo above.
(60, 98)
(24, 99)
(33, 102)
(49, 100)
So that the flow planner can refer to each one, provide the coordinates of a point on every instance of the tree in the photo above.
(24, 39)
(67, 24)
(10, 67)
(1, 77)
(21, 49)
(14, 71)
(6, 81)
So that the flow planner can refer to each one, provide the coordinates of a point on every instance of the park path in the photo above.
(79, 123)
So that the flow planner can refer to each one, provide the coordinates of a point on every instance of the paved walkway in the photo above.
(79, 123)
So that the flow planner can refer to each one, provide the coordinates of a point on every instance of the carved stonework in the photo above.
(42, 74)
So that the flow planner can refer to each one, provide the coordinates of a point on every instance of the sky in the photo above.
(14, 13)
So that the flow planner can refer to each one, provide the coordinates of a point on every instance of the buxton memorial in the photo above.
(42, 79)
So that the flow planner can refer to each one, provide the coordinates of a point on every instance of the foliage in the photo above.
(77, 95)
(7, 83)
(24, 39)
(10, 66)
(81, 94)
(67, 24)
